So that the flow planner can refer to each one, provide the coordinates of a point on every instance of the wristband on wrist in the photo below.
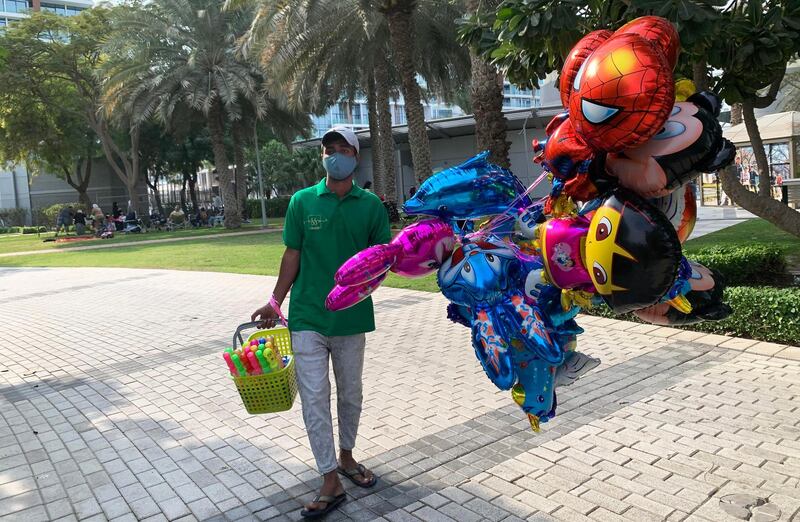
(277, 307)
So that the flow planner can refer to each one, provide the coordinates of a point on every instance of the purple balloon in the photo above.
(366, 265)
(342, 297)
(424, 247)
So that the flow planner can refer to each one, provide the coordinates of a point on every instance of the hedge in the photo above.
(33, 230)
(13, 217)
(22, 230)
(762, 313)
(47, 216)
(745, 265)
(276, 206)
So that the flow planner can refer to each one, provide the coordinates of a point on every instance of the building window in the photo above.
(72, 11)
(16, 6)
(59, 9)
(777, 156)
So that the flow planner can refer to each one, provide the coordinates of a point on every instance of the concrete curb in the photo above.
(779, 351)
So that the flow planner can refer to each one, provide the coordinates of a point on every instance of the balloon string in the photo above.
(504, 216)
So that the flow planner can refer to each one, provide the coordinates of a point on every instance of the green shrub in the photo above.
(47, 216)
(33, 230)
(14, 217)
(276, 206)
(762, 313)
(745, 265)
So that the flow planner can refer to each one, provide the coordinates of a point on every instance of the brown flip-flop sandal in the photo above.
(331, 503)
(358, 470)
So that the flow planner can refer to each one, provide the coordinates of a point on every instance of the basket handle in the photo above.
(237, 335)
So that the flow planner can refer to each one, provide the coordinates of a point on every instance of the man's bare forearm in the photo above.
(290, 266)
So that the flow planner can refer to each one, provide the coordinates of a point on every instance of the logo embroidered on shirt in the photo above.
(315, 222)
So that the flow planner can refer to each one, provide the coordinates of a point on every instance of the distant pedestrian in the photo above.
(64, 219)
(80, 222)
(412, 191)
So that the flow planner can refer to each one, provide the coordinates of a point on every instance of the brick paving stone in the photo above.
(669, 421)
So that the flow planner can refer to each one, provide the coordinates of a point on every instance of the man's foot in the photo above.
(357, 473)
(331, 494)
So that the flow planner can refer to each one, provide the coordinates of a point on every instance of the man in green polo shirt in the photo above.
(325, 225)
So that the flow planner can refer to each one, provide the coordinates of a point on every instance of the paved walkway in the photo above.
(114, 404)
(100, 244)
(710, 219)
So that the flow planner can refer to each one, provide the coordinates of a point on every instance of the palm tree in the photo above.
(301, 42)
(169, 53)
(399, 15)
(486, 97)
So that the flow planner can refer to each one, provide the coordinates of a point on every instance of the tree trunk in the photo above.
(182, 194)
(153, 184)
(216, 129)
(736, 114)
(193, 187)
(772, 210)
(384, 117)
(124, 165)
(762, 204)
(81, 182)
(750, 123)
(132, 183)
(401, 29)
(700, 76)
(377, 154)
(240, 172)
(486, 97)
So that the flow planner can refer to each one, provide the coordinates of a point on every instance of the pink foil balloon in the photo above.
(425, 245)
(366, 265)
(342, 297)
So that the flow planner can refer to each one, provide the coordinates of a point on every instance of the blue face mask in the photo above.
(338, 166)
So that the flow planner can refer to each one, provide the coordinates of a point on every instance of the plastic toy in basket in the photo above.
(263, 368)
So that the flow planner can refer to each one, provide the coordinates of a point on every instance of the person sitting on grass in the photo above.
(177, 217)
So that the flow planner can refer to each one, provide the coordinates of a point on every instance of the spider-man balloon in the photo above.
(622, 94)
(582, 50)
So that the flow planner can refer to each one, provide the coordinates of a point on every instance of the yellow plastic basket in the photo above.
(271, 392)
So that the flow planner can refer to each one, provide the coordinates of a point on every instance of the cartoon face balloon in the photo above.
(424, 247)
(632, 252)
(622, 93)
(482, 271)
(690, 141)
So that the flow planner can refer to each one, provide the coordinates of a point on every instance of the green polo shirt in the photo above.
(328, 231)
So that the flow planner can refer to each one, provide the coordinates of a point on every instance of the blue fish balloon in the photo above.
(474, 189)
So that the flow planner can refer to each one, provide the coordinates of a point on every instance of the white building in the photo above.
(453, 137)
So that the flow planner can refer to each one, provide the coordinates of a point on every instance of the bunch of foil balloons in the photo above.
(517, 271)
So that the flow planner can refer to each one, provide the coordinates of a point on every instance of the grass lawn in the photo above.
(30, 242)
(256, 254)
(260, 254)
(750, 232)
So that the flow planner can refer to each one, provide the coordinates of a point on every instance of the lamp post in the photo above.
(260, 177)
